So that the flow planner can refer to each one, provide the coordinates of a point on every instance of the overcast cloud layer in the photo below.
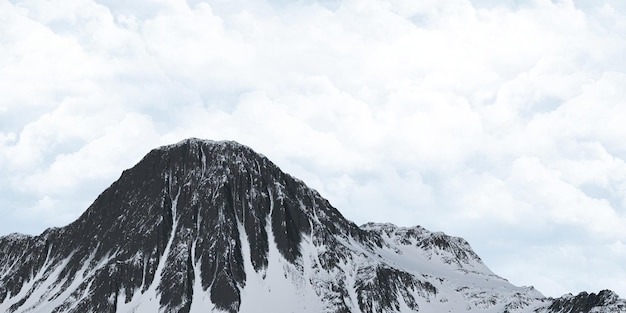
(498, 121)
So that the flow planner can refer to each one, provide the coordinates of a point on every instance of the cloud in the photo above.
(497, 121)
(555, 200)
(554, 266)
(96, 159)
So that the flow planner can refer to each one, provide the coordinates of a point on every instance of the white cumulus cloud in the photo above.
(498, 121)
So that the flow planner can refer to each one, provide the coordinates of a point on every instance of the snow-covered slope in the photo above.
(203, 226)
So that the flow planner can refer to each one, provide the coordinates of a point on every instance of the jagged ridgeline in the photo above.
(204, 226)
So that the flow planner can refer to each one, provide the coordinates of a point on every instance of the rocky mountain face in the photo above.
(204, 226)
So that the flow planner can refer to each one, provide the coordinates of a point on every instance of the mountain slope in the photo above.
(201, 225)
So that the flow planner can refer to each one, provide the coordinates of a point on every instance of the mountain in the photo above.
(203, 226)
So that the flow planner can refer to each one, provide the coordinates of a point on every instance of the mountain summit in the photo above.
(204, 226)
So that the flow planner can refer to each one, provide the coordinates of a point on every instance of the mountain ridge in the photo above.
(201, 225)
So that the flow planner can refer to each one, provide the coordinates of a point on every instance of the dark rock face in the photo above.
(172, 231)
(387, 287)
(604, 301)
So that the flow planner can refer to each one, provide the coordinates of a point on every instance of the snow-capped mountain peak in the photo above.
(203, 226)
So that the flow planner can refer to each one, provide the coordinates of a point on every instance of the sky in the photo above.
(502, 122)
